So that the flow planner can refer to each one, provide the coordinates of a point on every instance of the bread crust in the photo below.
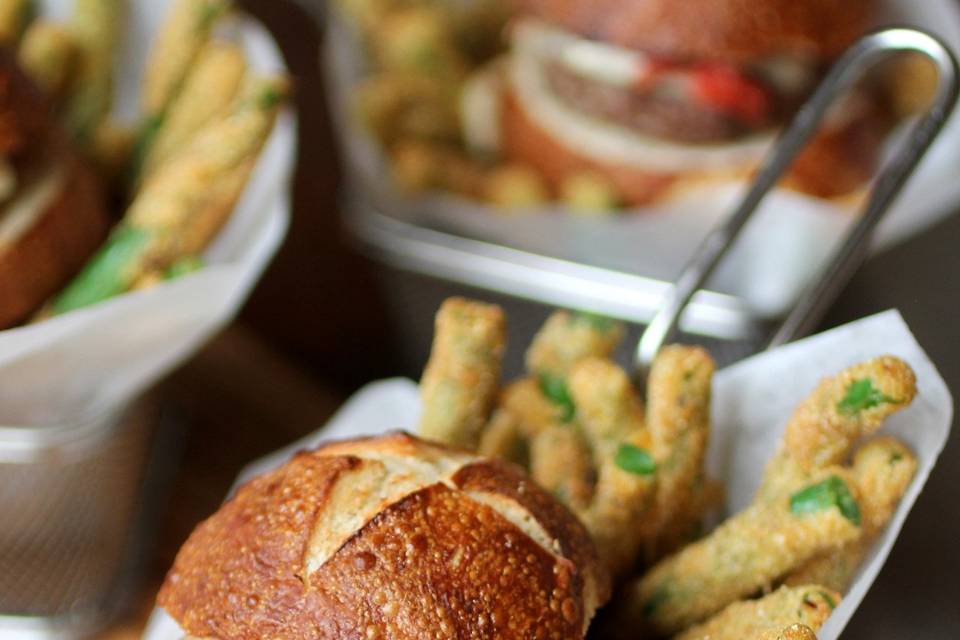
(68, 226)
(64, 235)
(733, 30)
(835, 164)
(441, 559)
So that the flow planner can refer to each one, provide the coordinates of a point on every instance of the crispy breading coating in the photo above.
(678, 416)
(567, 337)
(560, 462)
(532, 410)
(460, 382)
(208, 92)
(793, 632)
(182, 37)
(177, 211)
(882, 469)
(47, 54)
(14, 15)
(503, 438)
(95, 28)
(612, 419)
(842, 409)
(776, 615)
(746, 553)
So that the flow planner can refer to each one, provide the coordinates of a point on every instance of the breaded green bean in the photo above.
(807, 605)
(14, 17)
(460, 382)
(882, 469)
(209, 90)
(172, 214)
(612, 419)
(47, 53)
(532, 408)
(678, 416)
(182, 37)
(706, 495)
(568, 337)
(747, 553)
(560, 462)
(793, 632)
(399, 107)
(842, 409)
(95, 27)
(503, 438)
(417, 40)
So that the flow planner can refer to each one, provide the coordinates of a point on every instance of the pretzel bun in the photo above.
(733, 30)
(388, 537)
(53, 213)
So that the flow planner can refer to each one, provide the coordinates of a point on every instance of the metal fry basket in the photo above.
(72, 500)
(427, 263)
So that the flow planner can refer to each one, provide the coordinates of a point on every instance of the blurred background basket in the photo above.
(74, 503)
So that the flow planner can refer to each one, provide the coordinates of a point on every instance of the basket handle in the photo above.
(824, 288)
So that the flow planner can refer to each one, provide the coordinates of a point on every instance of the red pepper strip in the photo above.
(725, 89)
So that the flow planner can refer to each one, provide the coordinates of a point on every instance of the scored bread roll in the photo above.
(387, 537)
(53, 214)
(725, 29)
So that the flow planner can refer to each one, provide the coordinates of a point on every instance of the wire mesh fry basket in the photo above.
(427, 263)
(71, 498)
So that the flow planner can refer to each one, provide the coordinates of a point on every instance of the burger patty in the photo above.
(660, 112)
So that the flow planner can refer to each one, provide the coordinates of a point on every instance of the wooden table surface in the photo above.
(314, 331)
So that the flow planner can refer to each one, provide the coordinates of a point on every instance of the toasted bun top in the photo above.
(738, 30)
(388, 537)
(24, 112)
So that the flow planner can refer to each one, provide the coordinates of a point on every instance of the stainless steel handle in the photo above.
(830, 280)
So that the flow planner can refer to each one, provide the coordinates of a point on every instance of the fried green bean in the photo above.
(567, 338)
(181, 39)
(460, 382)
(748, 552)
(46, 54)
(561, 463)
(775, 615)
(417, 40)
(175, 211)
(678, 416)
(842, 409)
(14, 17)
(882, 469)
(612, 420)
(207, 94)
(503, 438)
(95, 27)
(536, 404)
(402, 107)
(793, 632)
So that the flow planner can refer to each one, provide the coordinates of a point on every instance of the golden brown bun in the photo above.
(388, 537)
(738, 30)
(66, 218)
(67, 229)
(24, 113)
(834, 164)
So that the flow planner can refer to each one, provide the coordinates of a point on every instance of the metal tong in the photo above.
(828, 283)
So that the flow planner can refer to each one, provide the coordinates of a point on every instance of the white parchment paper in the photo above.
(752, 401)
(69, 368)
(782, 248)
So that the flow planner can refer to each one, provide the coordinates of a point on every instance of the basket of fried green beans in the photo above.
(794, 525)
(182, 108)
(179, 107)
(181, 166)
